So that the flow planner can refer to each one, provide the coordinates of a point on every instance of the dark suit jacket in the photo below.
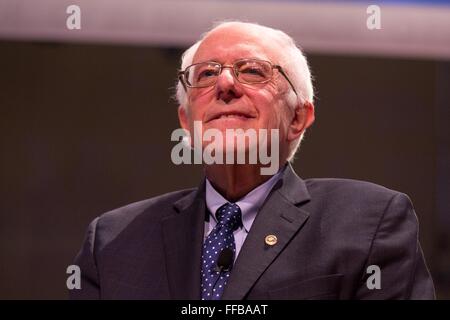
(329, 231)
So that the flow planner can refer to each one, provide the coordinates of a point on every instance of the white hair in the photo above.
(293, 61)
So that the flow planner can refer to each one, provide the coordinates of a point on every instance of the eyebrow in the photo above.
(217, 60)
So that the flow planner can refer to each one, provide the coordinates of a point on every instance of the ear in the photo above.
(303, 118)
(183, 117)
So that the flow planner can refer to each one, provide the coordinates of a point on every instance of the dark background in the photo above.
(86, 128)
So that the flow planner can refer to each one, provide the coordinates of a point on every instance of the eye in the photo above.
(206, 73)
(252, 70)
(202, 74)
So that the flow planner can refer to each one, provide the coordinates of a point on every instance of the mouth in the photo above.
(231, 115)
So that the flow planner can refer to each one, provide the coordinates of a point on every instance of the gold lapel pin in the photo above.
(271, 239)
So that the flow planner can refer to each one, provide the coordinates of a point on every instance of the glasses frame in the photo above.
(182, 74)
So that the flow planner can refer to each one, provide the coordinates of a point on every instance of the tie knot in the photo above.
(229, 215)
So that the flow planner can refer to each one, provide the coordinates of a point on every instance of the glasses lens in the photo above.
(202, 74)
(253, 71)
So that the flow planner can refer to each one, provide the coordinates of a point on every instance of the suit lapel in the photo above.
(183, 238)
(279, 216)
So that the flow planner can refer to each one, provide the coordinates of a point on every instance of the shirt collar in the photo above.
(249, 204)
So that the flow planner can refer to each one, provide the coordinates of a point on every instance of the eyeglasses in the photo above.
(249, 71)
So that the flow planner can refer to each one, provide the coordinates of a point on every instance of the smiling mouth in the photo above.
(238, 116)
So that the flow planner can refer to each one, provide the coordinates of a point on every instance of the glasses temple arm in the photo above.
(280, 69)
(181, 78)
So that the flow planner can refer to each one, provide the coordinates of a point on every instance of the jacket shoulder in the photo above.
(355, 188)
(132, 216)
(355, 195)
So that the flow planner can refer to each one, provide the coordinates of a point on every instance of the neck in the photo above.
(234, 181)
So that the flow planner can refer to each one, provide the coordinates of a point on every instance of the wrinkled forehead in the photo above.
(229, 44)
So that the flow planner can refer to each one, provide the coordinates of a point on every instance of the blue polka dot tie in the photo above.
(221, 237)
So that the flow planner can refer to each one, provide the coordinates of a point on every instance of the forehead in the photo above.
(229, 44)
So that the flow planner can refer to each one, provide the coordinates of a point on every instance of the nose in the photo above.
(227, 86)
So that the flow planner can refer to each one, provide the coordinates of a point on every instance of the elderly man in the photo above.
(243, 234)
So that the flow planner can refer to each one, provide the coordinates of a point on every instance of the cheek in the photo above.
(195, 113)
(270, 108)
(199, 102)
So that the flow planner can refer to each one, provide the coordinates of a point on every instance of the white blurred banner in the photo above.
(339, 27)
